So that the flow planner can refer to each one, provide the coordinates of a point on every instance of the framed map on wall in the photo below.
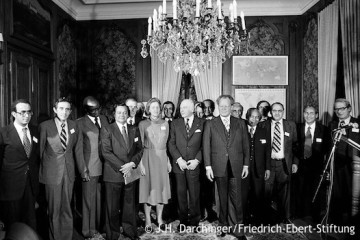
(249, 97)
(260, 70)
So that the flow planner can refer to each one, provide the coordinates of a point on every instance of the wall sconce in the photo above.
(1, 47)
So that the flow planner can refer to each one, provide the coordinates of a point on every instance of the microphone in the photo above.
(344, 127)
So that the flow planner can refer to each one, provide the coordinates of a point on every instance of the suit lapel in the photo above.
(118, 135)
(131, 136)
(15, 138)
(220, 128)
(302, 132)
(233, 128)
(286, 130)
(71, 126)
(90, 124)
(194, 126)
(182, 127)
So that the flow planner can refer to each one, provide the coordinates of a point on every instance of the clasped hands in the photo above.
(189, 165)
(126, 169)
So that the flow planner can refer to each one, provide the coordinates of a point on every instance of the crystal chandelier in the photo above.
(196, 35)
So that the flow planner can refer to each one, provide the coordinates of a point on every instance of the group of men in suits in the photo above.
(252, 163)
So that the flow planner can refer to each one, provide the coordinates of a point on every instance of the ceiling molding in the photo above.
(82, 10)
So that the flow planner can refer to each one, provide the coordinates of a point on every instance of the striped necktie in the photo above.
(63, 136)
(308, 144)
(26, 142)
(276, 146)
(187, 125)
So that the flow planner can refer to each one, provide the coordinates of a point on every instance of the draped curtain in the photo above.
(165, 81)
(350, 35)
(208, 84)
(328, 20)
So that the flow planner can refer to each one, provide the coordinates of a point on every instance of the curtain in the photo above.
(208, 84)
(350, 36)
(165, 81)
(328, 20)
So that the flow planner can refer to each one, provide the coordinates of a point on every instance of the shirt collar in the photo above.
(19, 128)
(222, 118)
(191, 118)
(347, 120)
(311, 125)
(58, 122)
(280, 121)
(121, 125)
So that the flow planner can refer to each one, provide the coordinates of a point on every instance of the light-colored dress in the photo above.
(155, 185)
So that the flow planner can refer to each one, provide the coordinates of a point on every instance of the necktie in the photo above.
(252, 132)
(27, 144)
(307, 145)
(63, 136)
(125, 136)
(342, 123)
(276, 146)
(227, 124)
(187, 127)
(97, 123)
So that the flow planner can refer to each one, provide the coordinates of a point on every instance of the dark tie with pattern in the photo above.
(63, 136)
(97, 123)
(125, 136)
(187, 127)
(27, 144)
(276, 146)
(252, 132)
(307, 144)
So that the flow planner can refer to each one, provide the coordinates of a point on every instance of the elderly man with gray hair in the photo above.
(185, 147)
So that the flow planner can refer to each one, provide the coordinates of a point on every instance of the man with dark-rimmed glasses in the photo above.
(19, 167)
(340, 208)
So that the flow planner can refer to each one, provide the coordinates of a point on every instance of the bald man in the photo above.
(89, 126)
(185, 147)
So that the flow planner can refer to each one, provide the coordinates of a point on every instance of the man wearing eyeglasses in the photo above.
(19, 167)
(89, 126)
(340, 209)
(61, 147)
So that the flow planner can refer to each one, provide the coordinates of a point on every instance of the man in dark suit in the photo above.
(133, 118)
(89, 126)
(122, 151)
(19, 167)
(185, 146)
(169, 111)
(283, 161)
(340, 208)
(60, 142)
(226, 156)
(313, 139)
(259, 168)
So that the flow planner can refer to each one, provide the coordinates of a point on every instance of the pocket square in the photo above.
(136, 139)
(35, 139)
(163, 128)
(287, 134)
(318, 139)
(198, 130)
(263, 141)
(72, 131)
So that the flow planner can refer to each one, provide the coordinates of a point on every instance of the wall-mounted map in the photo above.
(260, 70)
(250, 97)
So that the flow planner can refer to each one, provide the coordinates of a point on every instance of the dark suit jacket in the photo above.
(320, 147)
(217, 153)
(91, 145)
(343, 150)
(115, 152)
(14, 163)
(54, 158)
(262, 150)
(290, 142)
(181, 146)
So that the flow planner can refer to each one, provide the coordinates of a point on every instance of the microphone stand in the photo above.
(337, 138)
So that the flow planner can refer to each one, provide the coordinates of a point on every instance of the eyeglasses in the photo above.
(340, 109)
(23, 113)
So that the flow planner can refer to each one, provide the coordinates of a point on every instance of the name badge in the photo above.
(318, 139)
(198, 130)
(287, 134)
(163, 128)
(263, 141)
(72, 131)
(355, 130)
(35, 139)
(136, 139)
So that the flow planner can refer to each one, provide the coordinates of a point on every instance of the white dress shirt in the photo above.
(191, 120)
(93, 119)
(19, 130)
